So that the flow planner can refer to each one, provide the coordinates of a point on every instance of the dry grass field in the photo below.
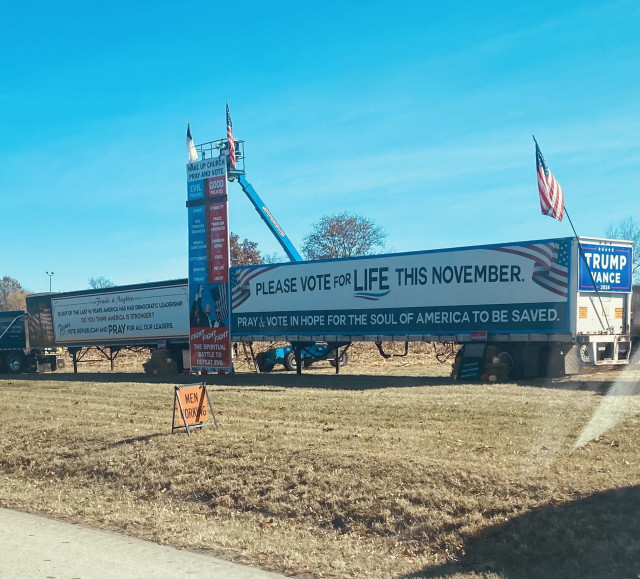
(390, 469)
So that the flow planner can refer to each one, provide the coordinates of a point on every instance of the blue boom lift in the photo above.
(293, 356)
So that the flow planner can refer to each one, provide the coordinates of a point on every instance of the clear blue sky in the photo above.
(418, 115)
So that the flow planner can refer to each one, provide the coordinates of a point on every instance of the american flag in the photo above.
(551, 269)
(551, 195)
(240, 283)
(230, 141)
(222, 303)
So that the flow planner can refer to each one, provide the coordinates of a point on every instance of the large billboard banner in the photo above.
(120, 317)
(502, 288)
(208, 219)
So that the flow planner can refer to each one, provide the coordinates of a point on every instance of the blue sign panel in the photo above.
(609, 266)
(195, 190)
(197, 245)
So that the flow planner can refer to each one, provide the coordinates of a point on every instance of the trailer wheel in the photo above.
(290, 362)
(512, 357)
(262, 364)
(584, 354)
(343, 357)
(15, 362)
(505, 358)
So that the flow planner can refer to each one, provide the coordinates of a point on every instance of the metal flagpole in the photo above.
(584, 258)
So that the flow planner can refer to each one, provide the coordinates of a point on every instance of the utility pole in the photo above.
(50, 274)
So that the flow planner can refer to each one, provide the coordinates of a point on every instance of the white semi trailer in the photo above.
(546, 306)
(149, 315)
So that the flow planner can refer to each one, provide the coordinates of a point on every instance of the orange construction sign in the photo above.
(192, 408)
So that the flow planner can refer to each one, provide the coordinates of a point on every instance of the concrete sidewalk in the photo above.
(39, 548)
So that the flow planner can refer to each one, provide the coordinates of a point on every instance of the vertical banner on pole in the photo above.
(208, 216)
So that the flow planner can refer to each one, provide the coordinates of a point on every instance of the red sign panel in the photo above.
(216, 186)
(217, 242)
(210, 348)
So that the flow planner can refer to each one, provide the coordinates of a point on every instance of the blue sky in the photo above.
(418, 115)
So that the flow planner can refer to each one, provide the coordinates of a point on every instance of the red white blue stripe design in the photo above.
(551, 269)
(241, 283)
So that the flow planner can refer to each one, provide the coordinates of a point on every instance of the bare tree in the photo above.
(343, 235)
(627, 228)
(100, 282)
(244, 252)
(12, 295)
(274, 257)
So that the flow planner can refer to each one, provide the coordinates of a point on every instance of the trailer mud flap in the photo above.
(571, 359)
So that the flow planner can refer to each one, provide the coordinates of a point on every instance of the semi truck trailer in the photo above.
(149, 315)
(543, 306)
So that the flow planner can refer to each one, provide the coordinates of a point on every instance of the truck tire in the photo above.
(343, 357)
(15, 362)
(263, 366)
(290, 362)
(512, 357)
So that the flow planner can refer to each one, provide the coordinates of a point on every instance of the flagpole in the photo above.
(584, 257)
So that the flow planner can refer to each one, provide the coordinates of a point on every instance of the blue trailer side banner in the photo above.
(541, 317)
(610, 266)
(509, 288)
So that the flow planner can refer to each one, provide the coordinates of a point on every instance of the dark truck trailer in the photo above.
(107, 320)
(21, 346)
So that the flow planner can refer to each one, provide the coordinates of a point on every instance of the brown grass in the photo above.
(357, 475)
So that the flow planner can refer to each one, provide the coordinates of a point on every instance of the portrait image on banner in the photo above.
(209, 306)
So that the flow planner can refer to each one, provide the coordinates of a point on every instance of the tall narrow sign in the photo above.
(208, 215)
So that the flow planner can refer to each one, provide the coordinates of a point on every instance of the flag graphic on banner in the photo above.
(551, 269)
(219, 295)
(240, 288)
(551, 195)
(230, 141)
(191, 148)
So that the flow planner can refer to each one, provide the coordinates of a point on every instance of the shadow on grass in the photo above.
(325, 381)
(144, 438)
(279, 379)
(597, 537)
